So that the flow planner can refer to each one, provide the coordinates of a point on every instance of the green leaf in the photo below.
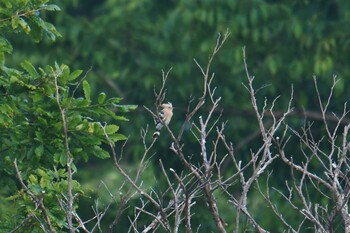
(87, 90)
(51, 7)
(117, 137)
(100, 153)
(63, 159)
(75, 74)
(33, 179)
(24, 25)
(126, 108)
(101, 98)
(30, 69)
(51, 31)
(47, 27)
(37, 97)
(74, 168)
(39, 136)
(44, 174)
(91, 127)
(119, 118)
(110, 129)
(5, 45)
(36, 189)
(39, 151)
(14, 22)
(114, 100)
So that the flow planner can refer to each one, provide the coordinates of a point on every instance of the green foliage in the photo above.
(37, 103)
(128, 43)
(132, 41)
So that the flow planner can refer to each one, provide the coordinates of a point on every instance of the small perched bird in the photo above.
(164, 118)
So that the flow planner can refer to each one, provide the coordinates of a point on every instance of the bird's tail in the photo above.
(156, 133)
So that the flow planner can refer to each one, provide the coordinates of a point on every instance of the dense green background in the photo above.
(126, 45)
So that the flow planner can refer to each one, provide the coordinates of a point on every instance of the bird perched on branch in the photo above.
(164, 118)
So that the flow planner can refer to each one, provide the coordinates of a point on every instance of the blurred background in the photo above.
(125, 45)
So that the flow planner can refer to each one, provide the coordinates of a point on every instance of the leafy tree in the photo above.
(46, 128)
(128, 43)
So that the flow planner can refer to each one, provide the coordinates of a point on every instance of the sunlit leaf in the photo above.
(110, 129)
(26, 28)
(87, 90)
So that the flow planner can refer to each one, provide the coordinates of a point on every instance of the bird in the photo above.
(164, 117)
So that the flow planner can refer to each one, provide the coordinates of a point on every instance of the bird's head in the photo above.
(168, 105)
